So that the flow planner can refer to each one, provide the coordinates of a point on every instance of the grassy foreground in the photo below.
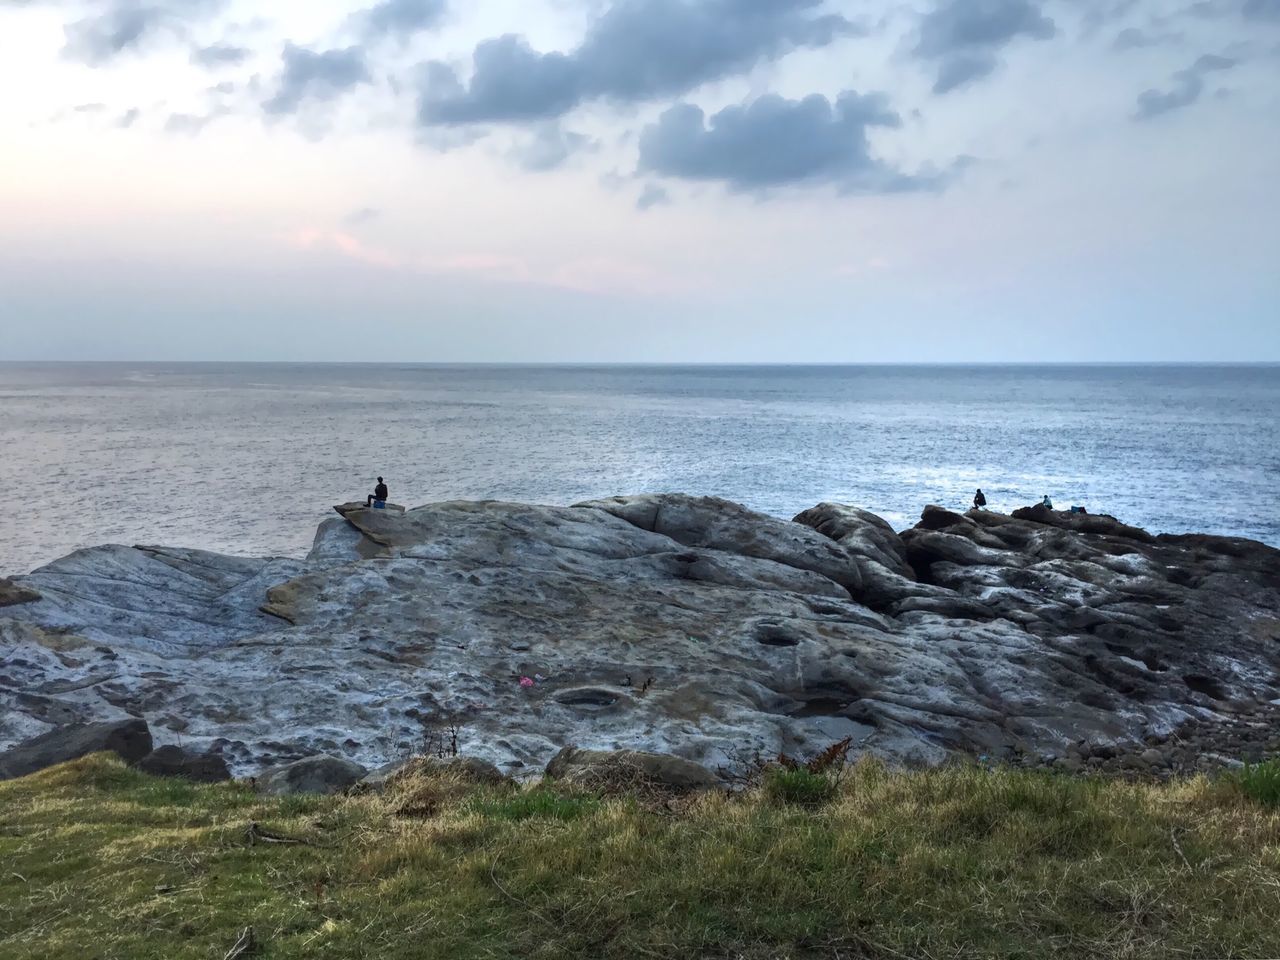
(97, 861)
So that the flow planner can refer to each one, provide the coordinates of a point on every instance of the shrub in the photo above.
(799, 786)
(1260, 782)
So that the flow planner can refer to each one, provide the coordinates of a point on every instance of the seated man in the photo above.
(378, 499)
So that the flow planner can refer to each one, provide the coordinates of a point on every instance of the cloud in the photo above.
(652, 196)
(360, 217)
(129, 118)
(220, 55)
(124, 26)
(191, 124)
(964, 37)
(550, 146)
(1097, 14)
(322, 76)
(775, 142)
(637, 50)
(1187, 88)
(1132, 38)
(1262, 9)
(402, 18)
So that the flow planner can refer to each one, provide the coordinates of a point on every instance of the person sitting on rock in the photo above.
(979, 500)
(1047, 503)
(378, 499)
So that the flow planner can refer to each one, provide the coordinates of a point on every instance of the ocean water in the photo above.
(248, 458)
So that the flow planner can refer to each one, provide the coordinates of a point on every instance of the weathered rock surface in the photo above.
(629, 770)
(320, 775)
(173, 761)
(666, 624)
(129, 739)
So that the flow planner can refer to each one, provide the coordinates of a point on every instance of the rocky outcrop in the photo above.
(173, 761)
(316, 775)
(11, 594)
(128, 739)
(666, 624)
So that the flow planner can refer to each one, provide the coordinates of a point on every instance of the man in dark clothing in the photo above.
(979, 500)
(379, 495)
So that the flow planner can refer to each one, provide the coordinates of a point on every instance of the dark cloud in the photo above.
(402, 18)
(637, 50)
(1187, 88)
(314, 76)
(220, 55)
(775, 142)
(964, 37)
(124, 26)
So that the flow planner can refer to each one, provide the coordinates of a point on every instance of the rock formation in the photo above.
(661, 623)
(128, 739)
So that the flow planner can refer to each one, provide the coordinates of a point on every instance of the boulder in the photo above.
(128, 739)
(318, 775)
(12, 594)
(624, 771)
(862, 533)
(722, 525)
(938, 518)
(1094, 523)
(346, 510)
(171, 761)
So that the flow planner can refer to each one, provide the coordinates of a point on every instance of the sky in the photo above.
(640, 180)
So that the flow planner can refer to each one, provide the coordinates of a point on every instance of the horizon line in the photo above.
(657, 363)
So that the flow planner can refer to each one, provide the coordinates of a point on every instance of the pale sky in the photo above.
(640, 180)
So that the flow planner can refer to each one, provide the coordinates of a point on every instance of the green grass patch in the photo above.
(536, 803)
(1261, 782)
(100, 863)
(799, 786)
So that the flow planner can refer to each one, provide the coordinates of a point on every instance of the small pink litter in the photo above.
(526, 682)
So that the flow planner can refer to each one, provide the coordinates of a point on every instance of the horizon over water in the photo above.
(247, 458)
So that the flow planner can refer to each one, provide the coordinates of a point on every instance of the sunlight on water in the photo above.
(249, 458)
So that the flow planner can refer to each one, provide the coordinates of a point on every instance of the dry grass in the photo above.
(97, 861)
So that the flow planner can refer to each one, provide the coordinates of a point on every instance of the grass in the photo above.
(98, 862)
(799, 786)
(1261, 782)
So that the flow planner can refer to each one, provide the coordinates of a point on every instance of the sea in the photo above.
(247, 459)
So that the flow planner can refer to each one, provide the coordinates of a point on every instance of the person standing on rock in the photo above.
(378, 498)
(1047, 503)
(979, 500)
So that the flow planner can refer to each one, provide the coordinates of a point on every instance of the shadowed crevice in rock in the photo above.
(671, 624)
